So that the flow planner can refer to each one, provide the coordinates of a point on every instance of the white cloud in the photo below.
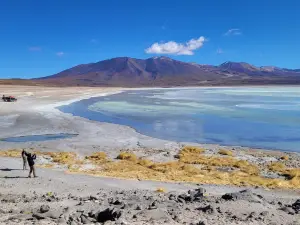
(220, 51)
(34, 49)
(233, 31)
(174, 48)
(60, 54)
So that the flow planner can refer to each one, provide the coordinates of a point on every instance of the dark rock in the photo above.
(153, 205)
(296, 206)
(111, 214)
(117, 202)
(245, 195)
(172, 197)
(264, 213)
(288, 210)
(207, 209)
(198, 223)
(197, 194)
(39, 216)
(252, 215)
(93, 198)
(44, 208)
(138, 207)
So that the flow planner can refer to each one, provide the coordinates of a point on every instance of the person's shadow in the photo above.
(8, 170)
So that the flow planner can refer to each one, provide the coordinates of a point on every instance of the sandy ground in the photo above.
(79, 199)
(58, 198)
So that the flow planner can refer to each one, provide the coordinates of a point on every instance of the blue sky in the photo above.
(40, 38)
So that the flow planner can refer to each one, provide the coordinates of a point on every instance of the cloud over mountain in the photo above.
(175, 48)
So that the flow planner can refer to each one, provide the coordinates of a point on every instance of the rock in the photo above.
(138, 207)
(207, 209)
(93, 198)
(153, 205)
(245, 195)
(61, 221)
(288, 210)
(117, 202)
(172, 197)
(44, 208)
(264, 213)
(153, 215)
(39, 216)
(85, 220)
(111, 214)
(199, 223)
(296, 206)
(193, 195)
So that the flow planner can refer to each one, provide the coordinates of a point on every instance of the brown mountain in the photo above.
(164, 71)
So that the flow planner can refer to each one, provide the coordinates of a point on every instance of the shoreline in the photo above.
(52, 109)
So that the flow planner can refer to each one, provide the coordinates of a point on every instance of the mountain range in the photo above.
(165, 72)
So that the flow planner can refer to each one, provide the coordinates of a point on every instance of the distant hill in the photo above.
(164, 71)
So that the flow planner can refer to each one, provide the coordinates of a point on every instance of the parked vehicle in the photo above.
(9, 98)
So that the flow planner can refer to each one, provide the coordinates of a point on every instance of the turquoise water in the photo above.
(45, 137)
(264, 117)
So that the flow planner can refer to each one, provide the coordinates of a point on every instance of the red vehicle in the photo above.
(9, 98)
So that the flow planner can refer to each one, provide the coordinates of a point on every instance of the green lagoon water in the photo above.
(263, 117)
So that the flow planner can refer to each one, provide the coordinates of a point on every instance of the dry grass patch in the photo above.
(277, 167)
(98, 157)
(284, 157)
(11, 153)
(127, 156)
(63, 157)
(161, 190)
(192, 150)
(226, 152)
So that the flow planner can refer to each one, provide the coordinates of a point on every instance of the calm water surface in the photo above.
(265, 117)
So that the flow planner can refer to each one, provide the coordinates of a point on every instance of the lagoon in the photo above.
(261, 117)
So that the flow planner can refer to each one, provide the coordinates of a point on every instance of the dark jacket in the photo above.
(30, 158)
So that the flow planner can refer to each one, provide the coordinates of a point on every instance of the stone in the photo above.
(44, 208)
(264, 213)
(207, 209)
(245, 195)
(85, 220)
(111, 214)
(296, 206)
(288, 210)
(39, 216)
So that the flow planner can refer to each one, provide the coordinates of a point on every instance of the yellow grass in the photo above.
(160, 190)
(98, 157)
(284, 157)
(11, 153)
(277, 167)
(192, 150)
(131, 167)
(63, 157)
(127, 156)
(226, 152)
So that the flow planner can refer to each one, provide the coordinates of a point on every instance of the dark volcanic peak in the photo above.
(165, 71)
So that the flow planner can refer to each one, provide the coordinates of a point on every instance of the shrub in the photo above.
(160, 190)
(225, 152)
(127, 156)
(284, 157)
(98, 157)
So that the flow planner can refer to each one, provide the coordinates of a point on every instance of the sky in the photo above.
(40, 38)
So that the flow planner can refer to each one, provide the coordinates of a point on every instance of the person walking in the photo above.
(30, 159)
(24, 159)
